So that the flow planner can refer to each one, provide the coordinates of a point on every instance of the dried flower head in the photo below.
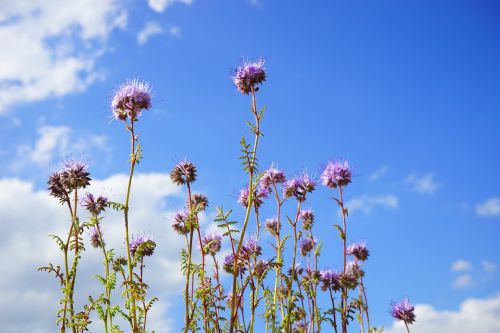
(75, 175)
(307, 218)
(180, 223)
(272, 176)
(306, 245)
(130, 99)
(336, 174)
(249, 75)
(93, 205)
(259, 194)
(142, 245)
(95, 239)
(358, 250)
(211, 243)
(403, 310)
(183, 173)
(298, 187)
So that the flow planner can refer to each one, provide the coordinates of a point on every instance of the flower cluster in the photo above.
(403, 310)
(130, 99)
(73, 176)
(94, 205)
(248, 76)
(336, 174)
(259, 194)
(142, 245)
(298, 187)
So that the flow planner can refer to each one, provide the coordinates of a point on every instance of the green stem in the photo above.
(106, 270)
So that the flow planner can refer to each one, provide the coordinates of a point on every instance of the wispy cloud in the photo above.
(366, 203)
(461, 266)
(463, 281)
(424, 184)
(489, 266)
(490, 207)
(161, 5)
(377, 174)
(53, 46)
(149, 30)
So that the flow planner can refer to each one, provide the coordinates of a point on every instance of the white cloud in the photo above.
(366, 203)
(55, 143)
(150, 29)
(474, 315)
(175, 31)
(490, 207)
(423, 184)
(489, 266)
(461, 266)
(462, 281)
(160, 5)
(377, 174)
(28, 215)
(52, 46)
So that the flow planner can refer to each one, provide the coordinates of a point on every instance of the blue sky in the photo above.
(407, 92)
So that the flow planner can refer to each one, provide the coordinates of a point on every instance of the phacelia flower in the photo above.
(336, 174)
(249, 75)
(183, 173)
(75, 175)
(211, 243)
(295, 271)
(56, 187)
(358, 250)
(95, 240)
(250, 248)
(329, 279)
(272, 176)
(261, 268)
(299, 327)
(403, 310)
(199, 202)
(307, 218)
(272, 226)
(239, 300)
(180, 223)
(306, 245)
(142, 245)
(260, 193)
(93, 205)
(130, 99)
(298, 187)
(118, 263)
(229, 265)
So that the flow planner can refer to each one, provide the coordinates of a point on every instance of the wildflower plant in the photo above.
(233, 281)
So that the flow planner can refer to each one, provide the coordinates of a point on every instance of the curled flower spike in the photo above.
(229, 265)
(272, 176)
(75, 175)
(130, 99)
(271, 225)
(336, 174)
(142, 245)
(94, 206)
(183, 173)
(307, 218)
(359, 251)
(329, 279)
(260, 193)
(250, 248)
(211, 243)
(95, 240)
(180, 223)
(56, 187)
(261, 268)
(403, 310)
(306, 245)
(298, 187)
(247, 76)
(199, 202)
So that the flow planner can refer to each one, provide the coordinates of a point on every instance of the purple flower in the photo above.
(403, 310)
(75, 175)
(183, 173)
(307, 218)
(94, 206)
(306, 245)
(336, 174)
(56, 187)
(179, 224)
(260, 193)
(130, 99)
(142, 245)
(247, 76)
(229, 265)
(250, 248)
(95, 239)
(272, 176)
(261, 268)
(272, 225)
(211, 243)
(199, 202)
(329, 279)
(298, 187)
(358, 250)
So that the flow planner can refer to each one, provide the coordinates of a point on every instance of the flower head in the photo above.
(250, 248)
(130, 99)
(95, 239)
(307, 218)
(180, 223)
(336, 174)
(211, 243)
(56, 186)
(93, 205)
(358, 250)
(75, 175)
(403, 310)
(298, 187)
(272, 176)
(329, 279)
(183, 173)
(142, 245)
(306, 245)
(260, 193)
(272, 226)
(250, 74)
(229, 265)
(199, 202)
